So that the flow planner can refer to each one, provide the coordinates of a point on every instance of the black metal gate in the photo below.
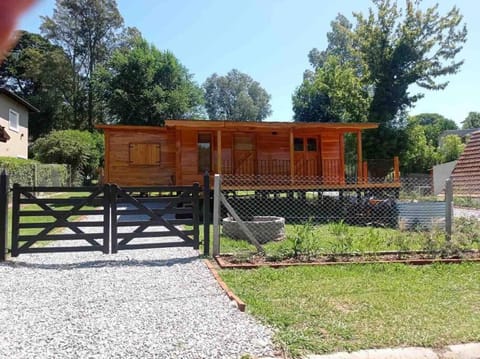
(119, 218)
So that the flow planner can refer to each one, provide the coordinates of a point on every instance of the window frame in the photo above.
(17, 116)
(199, 153)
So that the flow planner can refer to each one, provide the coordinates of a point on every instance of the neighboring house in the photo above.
(14, 112)
(463, 134)
(466, 174)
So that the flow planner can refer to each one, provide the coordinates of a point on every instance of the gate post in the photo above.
(15, 218)
(196, 214)
(3, 215)
(112, 211)
(448, 209)
(206, 214)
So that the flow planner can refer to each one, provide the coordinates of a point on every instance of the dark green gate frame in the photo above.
(185, 203)
(108, 204)
(54, 208)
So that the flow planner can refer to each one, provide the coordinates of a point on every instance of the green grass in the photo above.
(352, 307)
(307, 241)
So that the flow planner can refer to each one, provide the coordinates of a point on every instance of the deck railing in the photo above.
(326, 171)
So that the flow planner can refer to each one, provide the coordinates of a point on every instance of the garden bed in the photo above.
(252, 261)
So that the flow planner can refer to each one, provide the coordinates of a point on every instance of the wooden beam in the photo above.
(365, 172)
(359, 156)
(292, 156)
(396, 169)
(219, 151)
(342, 159)
(178, 157)
(106, 172)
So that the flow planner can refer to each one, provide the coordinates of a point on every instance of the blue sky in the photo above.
(270, 40)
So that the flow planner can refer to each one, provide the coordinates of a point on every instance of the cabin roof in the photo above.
(246, 126)
(466, 174)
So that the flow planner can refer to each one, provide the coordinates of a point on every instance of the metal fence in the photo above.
(39, 174)
(267, 206)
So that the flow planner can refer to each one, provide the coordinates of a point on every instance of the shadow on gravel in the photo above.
(102, 263)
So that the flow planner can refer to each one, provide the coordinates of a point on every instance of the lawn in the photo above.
(352, 307)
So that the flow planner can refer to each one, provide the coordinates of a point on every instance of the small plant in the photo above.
(401, 242)
(433, 242)
(343, 240)
(303, 241)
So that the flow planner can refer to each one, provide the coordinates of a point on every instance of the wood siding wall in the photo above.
(125, 167)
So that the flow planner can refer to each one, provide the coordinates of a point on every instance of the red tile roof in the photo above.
(466, 174)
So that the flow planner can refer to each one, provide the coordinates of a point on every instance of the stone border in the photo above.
(240, 304)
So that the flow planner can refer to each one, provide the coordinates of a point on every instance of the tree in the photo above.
(82, 150)
(87, 30)
(472, 120)
(451, 148)
(236, 97)
(37, 71)
(420, 155)
(333, 93)
(433, 125)
(392, 48)
(144, 86)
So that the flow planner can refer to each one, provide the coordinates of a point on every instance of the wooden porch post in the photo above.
(396, 169)
(219, 151)
(359, 157)
(292, 156)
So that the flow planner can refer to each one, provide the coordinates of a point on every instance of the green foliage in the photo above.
(472, 120)
(32, 173)
(88, 31)
(334, 93)
(237, 97)
(420, 154)
(38, 71)
(79, 149)
(387, 50)
(145, 86)
(433, 125)
(451, 148)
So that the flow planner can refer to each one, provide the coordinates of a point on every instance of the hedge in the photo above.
(33, 173)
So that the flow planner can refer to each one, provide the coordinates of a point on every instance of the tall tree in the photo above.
(433, 125)
(38, 71)
(236, 97)
(392, 48)
(87, 30)
(451, 148)
(472, 120)
(333, 93)
(145, 86)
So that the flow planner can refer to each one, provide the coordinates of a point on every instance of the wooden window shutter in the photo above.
(145, 154)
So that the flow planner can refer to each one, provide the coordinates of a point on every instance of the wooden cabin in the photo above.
(180, 152)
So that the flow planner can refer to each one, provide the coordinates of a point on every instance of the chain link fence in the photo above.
(39, 174)
(273, 208)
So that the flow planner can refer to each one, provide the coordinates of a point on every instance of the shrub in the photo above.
(32, 173)
(81, 150)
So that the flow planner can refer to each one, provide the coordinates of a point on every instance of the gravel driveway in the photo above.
(158, 303)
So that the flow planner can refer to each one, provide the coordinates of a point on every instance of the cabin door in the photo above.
(332, 164)
(244, 154)
(306, 156)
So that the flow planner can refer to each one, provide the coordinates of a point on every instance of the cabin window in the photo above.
(298, 144)
(312, 144)
(144, 154)
(13, 122)
(204, 152)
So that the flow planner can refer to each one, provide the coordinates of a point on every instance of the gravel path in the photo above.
(159, 303)
(466, 212)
